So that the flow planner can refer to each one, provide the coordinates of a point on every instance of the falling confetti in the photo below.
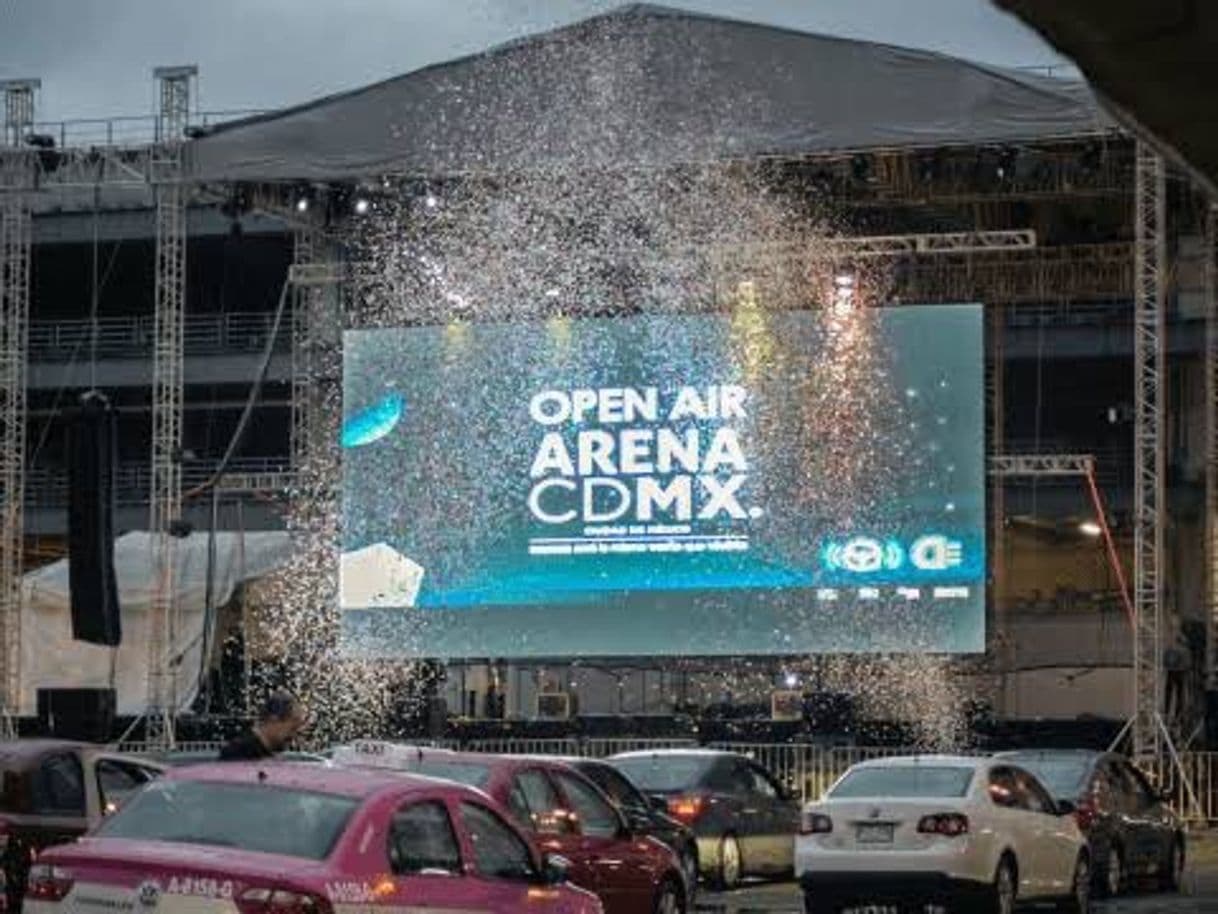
(613, 237)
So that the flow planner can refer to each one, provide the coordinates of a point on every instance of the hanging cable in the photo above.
(212, 485)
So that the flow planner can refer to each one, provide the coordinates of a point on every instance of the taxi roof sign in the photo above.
(372, 753)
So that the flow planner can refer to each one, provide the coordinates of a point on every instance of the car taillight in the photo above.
(48, 882)
(281, 901)
(813, 823)
(686, 808)
(1085, 813)
(947, 824)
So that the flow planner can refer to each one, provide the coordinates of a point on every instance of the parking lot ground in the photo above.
(1199, 895)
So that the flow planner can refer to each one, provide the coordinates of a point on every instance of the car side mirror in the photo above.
(555, 869)
(1065, 808)
(637, 820)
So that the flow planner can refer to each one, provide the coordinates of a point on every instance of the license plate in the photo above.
(875, 834)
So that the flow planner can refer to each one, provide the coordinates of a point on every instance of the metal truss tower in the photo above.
(304, 317)
(165, 498)
(1000, 647)
(16, 181)
(1150, 506)
(1211, 440)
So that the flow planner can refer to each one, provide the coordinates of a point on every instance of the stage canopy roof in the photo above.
(649, 86)
(1150, 60)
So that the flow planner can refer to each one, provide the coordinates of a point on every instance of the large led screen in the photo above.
(738, 483)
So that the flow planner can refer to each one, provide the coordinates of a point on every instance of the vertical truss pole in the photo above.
(1000, 646)
(304, 299)
(1211, 441)
(18, 109)
(1150, 254)
(16, 172)
(165, 499)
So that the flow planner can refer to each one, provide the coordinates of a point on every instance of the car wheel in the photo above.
(1171, 871)
(670, 900)
(1079, 899)
(1003, 890)
(730, 864)
(1111, 881)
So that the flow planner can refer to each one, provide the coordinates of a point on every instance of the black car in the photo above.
(1130, 828)
(647, 816)
(745, 822)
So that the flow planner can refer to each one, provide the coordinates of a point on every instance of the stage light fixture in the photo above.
(362, 206)
(1090, 528)
(302, 204)
(1006, 163)
(860, 168)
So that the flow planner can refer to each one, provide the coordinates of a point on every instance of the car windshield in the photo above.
(664, 773)
(904, 781)
(471, 773)
(1062, 776)
(270, 820)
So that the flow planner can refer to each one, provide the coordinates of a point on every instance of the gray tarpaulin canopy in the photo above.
(647, 85)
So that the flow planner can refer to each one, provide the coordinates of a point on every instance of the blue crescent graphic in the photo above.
(372, 423)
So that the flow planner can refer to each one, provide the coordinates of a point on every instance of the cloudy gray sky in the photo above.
(95, 56)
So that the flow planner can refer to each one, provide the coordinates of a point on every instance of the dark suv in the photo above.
(1130, 828)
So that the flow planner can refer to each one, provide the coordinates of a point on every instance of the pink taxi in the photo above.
(290, 839)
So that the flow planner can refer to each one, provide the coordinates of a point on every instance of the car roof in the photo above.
(904, 761)
(26, 753)
(351, 782)
(1081, 754)
(671, 753)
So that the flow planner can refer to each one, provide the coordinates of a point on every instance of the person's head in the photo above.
(281, 718)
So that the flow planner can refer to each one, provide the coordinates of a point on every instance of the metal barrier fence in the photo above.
(809, 770)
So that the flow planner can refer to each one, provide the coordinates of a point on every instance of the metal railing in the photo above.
(204, 334)
(47, 487)
(808, 770)
(131, 130)
(245, 331)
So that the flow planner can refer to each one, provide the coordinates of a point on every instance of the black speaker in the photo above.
(91, 464)
(81, 714)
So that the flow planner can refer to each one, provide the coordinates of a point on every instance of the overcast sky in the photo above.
(95, 56)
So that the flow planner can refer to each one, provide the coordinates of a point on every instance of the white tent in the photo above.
(50, 658)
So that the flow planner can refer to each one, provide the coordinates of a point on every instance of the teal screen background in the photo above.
(862, 492)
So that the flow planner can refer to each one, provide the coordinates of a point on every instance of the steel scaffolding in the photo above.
(17, 178)
(1211, 441)
(1150, 506)
(165, 498)
(304, 306)
(16, 174)
(999, 643)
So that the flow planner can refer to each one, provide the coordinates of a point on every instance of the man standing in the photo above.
(279, 720)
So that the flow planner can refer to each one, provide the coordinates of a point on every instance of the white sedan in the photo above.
(969, 834)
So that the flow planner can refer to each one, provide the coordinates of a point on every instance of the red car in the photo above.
(568, 814)
(280, 838)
